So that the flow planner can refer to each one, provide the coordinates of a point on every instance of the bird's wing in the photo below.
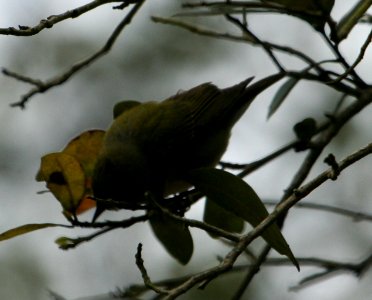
(206, 106)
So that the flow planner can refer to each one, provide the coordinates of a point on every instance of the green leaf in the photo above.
(281, 95)
(219, 217)
(174, 236)
(235, 195)
(9, 234)
(348, 21)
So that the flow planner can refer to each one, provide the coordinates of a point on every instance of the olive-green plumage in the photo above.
(152, 146)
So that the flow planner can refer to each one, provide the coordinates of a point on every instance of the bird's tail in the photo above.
(245, 95)
(256, 88)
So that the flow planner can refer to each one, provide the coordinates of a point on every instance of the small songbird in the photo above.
(151, 147)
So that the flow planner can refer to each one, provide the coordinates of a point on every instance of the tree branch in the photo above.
(356, 216)
(50, 21)
(323, 76)
(66, 243)
(145, 276)
(326, 136)
(280, 210)
(360, 57)
(330, 266)
(41, 87)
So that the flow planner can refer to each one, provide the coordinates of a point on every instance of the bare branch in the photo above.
(69, 243)
(266, 48)
(331, 268)
(202, 225)
(41, 87)
(50, 21)
(358, 59)
(343, 62)
(201, 30)
(145, 276)
(246, 38)
(302, 173)
(281, 209)
(66, 243)
(356, 216)
(23, 78)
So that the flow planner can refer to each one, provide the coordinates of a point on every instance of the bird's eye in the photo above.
(57, 178)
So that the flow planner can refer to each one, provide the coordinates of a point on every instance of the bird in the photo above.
(151, 147)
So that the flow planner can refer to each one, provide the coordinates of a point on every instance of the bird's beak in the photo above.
(99, 210)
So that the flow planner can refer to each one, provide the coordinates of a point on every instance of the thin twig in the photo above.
(69, 243)
(358, 269)
(281, 209)
(332, 268)
(54, 19)
(236, 38)
(32, 81)
(356, 216)
(145, 276)
(338, 86)
(61, 78)
(360, 57)
(66, 243)
(299, 194)
(221, 4)
(198, 224)
(250, 167)
(201, 30)
(323, 74)
(249, 33)
(302, 173)
(347, 67)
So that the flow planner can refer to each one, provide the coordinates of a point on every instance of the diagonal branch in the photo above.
(266, 48)
(41, 87)
(280, 210)
(356, 216)
(50, 21)
(66, 243)
(330, 266)
(145, 276)
(358, 59)
(246, 38)
(322, 141)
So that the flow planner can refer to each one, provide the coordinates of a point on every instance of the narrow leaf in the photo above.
(235, 195)
(219, 217)
(348, 22)
(281, 95)
(174, 235)
(9, 234)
